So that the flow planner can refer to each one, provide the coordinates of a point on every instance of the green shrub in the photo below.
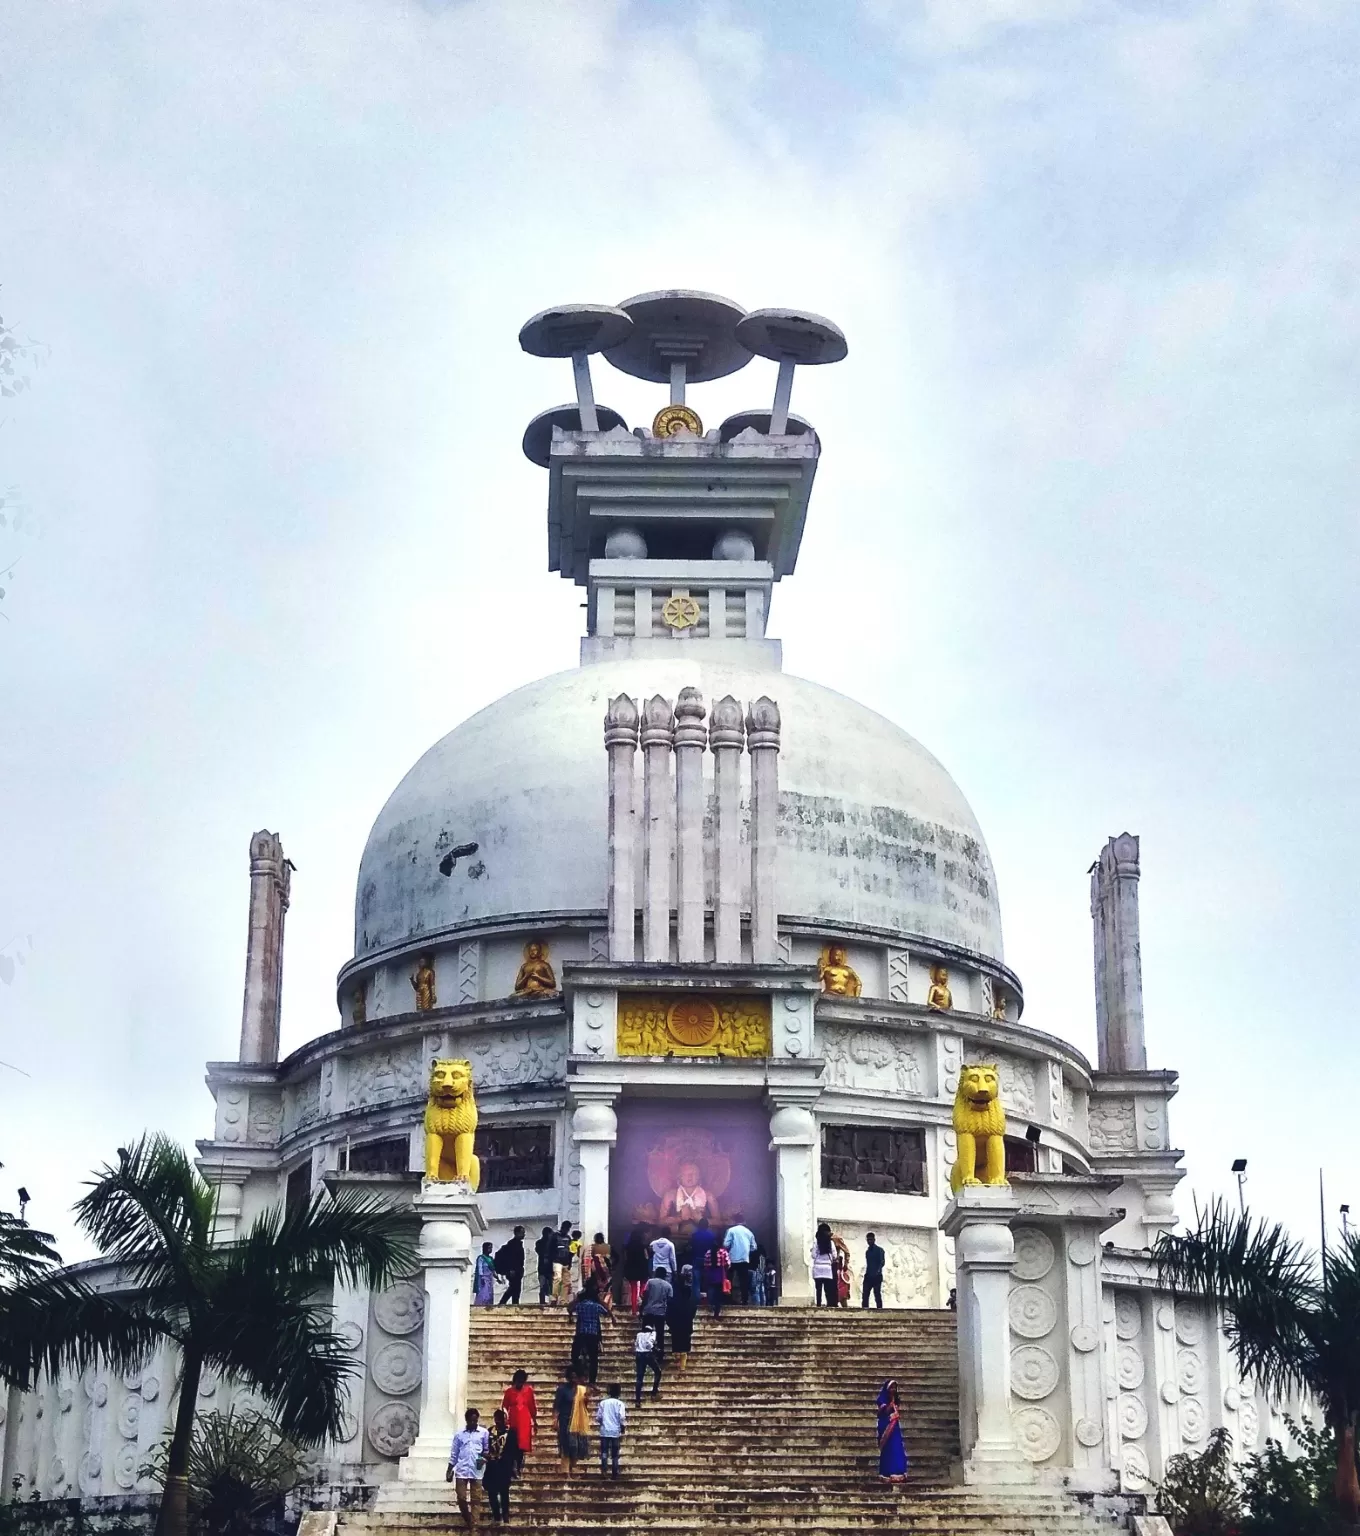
(1200, 1494)
(239, 1465)
(1293, 1495)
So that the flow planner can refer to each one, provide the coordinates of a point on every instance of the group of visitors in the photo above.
(831, 1269)
(716, 1270)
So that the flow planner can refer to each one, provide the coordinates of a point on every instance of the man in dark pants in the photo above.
(513, 1259)
(585, 1349)
(874, 1259)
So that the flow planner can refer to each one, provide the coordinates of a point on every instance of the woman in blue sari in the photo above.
(892, 1452)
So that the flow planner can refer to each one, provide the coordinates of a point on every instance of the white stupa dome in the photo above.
(873, 833)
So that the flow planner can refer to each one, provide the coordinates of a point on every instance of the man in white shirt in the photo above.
(645, 1359)
(740, 1243)
(663, 1254)
(467, 1463)
(611, 1416)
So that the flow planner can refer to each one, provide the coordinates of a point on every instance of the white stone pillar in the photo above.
(793, 1139)
(594, 1129)
(691, 736)
(658, 735)
(1118, 957)
(450, 1218)
(726, 734)
(978, 1220)
(762, 742)
(620, 739)
(270, 880)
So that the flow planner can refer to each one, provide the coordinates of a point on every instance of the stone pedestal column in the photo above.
(979, 1222)
(762, 742)
(691, 736)
(793, 1139)
(620, 739)
(726, 735)
(1118, 957)
(450, 1219)
(270, 878)
(658, 733)
(594, 1129)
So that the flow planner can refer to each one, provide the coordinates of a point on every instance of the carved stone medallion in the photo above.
(1032, 1312)
(1034, 1372)
(392, 1429)
(396, 1368)
(1033, 1254)
(1037, 1432)
(400, 1309)
(1133, 1419)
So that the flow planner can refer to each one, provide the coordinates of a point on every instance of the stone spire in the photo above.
(270, 879)
(1118, 957)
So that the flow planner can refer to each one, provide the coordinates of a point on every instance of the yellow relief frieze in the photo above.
(693, 1025)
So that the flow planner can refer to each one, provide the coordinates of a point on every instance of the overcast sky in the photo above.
(1085, 522)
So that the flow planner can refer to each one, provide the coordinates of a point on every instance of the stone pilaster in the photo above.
(793, 1139)
(1118, 958)
(762, 741)
(621, 739)
(691, 736)
(726, 735)
(658, 735)
(270, 882)
(594, 1130)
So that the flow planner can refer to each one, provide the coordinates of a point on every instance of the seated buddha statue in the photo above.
(536, 975)
(689, 1201)
(939, 996)
(836, 974)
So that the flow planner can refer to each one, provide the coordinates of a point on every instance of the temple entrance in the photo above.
(683, 1162)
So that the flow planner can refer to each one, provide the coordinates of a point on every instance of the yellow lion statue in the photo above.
(451, 1123)
(980, 1123)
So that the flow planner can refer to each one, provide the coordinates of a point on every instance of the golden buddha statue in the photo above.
(998, 1003)
(835, 973)
(939, 997)
(536, 976)
(422, 984)
(358, 1008)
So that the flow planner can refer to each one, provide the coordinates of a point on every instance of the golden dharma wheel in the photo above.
(671, 419)
(680, 611)
(693, 1021)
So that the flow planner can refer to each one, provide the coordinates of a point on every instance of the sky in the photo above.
(1085, 522)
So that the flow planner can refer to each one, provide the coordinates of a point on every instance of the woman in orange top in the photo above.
(521, 1408)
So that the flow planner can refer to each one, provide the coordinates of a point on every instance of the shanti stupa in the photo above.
(714, 939)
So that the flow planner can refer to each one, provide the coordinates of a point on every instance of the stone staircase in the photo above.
(771, 1428)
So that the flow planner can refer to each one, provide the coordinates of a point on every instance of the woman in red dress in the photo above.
(521, 1409)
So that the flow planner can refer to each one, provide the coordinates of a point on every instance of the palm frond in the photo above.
(358, 1239)
(55, 1322)
(24, 1251)
(152, 1212)
(1338, 1329)
(1265, 1280)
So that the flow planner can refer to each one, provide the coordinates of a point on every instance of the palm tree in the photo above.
(1291, 1321)
(24, 1252)
(248, 1309)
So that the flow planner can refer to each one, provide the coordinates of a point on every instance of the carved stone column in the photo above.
(691, 736)
(658, 734)
(726, 734)
(793, 1139)
(979, 1222)
(620, 739)
(270, 880)
(450, 1218)
(1118, 957)
(762, 742)
(594, 1129)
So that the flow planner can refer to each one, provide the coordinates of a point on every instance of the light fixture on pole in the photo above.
(1239, 1167)
(1345, 1221)
(23, 1202)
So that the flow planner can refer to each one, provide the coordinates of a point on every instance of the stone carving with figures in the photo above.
(451, 1124)
(536, 976)
(980, 1124)
(836, 974)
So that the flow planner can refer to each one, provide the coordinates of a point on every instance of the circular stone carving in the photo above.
(207, 1385)
(792, 1002)
(680, 610)
(400, 1309)
(1249, 1422)
(151, 1389)
(58, 1470)
(1033, 1254)
(1081, 1251)
(594, 999)
(692, 1021)
(396, 1368)
(1129, 1366)
(392, 1429)
(1194, 1424)
(669, 420)
(792, 1026)
(1232, 1399)
(1128, 1317)
(1034, 1372)
(1088, 1432)
(100, 1395)
(1189, 1371)
(129, 1416)
(1133, 1419)
(352, 1335)
(1137, 1472)
(1032, 1312)
(91, 1471)
(125, 1467)
(349, 1426)
(1189, 1325)
(132, 1380)
(794, 1047)
(1038, 1433)
(65, 1397)
(1166, 1319)
(1170, 1392)
(1084, 1339)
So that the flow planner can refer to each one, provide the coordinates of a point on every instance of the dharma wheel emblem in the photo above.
(693, 1021)
(671, 419)
(680, 611)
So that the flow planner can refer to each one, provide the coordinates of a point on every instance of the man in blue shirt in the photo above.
(874, 1259)
(467, 1463)
(740, 1243)
(585, 1349)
